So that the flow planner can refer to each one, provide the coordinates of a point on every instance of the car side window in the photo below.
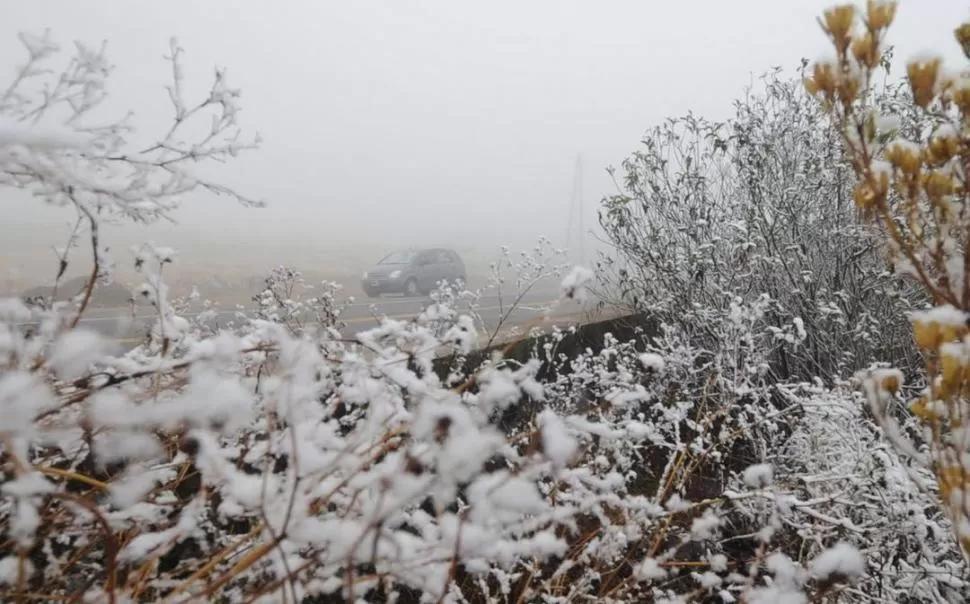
(444, 258)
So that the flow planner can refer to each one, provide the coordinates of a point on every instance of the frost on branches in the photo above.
(759, 205)
(264, 463)
(58, 144)
(276, 461)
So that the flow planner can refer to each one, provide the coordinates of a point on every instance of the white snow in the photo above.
(503, 498)
(842, 559)
(705, 526)
(776, 595)
(23, 396)
(131, 489)
(558, 445)
(575, 283)
(650, 570)
(30, 484)
(652, 361)
(758, 476)
(10, 569)
(13, 310)
(75, 351)
(946, 314)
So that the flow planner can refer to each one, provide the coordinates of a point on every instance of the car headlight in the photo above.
(395, 274)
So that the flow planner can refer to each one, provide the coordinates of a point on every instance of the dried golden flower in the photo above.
(890, 384)
(848, 89)
(865, 197)
(962, 35)
(951, 333)
(904, 156)
(921, 409)
(942, 147)
(959, 93)
(952, 476)
(927, 335)
(923, 74)
(866, 51)
(837, 23)
(823, 79)
(950, 383)
(937, 185)
(880, 15)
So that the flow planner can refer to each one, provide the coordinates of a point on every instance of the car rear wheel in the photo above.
(411, 288)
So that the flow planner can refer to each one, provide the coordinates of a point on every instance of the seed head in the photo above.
(904, 157)
(923, 74)
(837, 23)
(866, 51)
(962, 34)
(880, 14)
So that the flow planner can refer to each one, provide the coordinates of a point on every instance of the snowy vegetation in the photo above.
(736, 445)
(759, 209)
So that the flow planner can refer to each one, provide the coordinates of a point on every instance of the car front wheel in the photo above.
(411, 288)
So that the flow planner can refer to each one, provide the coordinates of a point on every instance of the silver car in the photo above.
(413, 272)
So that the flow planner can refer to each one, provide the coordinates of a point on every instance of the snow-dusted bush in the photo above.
(758, 206)
(287, 298)
(57, 143)
(347, 468)
(836, 478)
(275, 460)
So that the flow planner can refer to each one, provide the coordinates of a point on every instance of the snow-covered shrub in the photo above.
(286, 298)
(916, 191)
(835, 479)
(758, 205)
(272, 461)
(56, 143)
(348, 469)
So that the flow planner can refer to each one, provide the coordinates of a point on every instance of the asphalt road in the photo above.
(540, 308)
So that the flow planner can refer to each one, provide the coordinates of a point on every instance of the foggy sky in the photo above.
(456, 122)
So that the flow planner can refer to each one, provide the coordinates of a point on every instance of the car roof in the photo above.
(418, 250)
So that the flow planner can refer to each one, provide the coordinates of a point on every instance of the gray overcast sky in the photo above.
(417, 116)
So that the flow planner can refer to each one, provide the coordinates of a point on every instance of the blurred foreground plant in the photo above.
(275, 460)
(916, 190)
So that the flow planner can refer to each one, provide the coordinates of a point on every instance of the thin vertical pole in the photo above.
(576, 210)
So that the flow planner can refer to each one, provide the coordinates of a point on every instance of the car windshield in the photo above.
(401, 257)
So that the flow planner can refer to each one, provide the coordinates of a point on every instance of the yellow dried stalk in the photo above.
(917, 192)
